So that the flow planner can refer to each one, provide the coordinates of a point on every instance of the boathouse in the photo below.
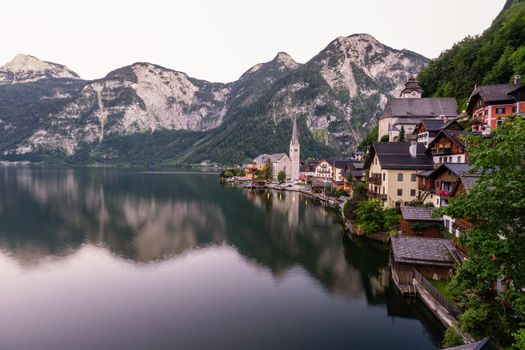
(434, 258)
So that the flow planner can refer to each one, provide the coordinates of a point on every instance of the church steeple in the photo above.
(294, 151)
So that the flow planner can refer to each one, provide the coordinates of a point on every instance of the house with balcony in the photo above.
(323, 170)
(489, 105)
(392, 169)
(428, 129)
(449, 146)
(440, 185)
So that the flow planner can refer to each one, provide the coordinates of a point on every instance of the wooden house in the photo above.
(418, 221)
(428, 129)
(449, 146)
(434, 258)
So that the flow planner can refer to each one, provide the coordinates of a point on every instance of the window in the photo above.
(413, 193)
(413, 177)
(500, 110)
(514, 109)
(384, 176)
(399, 192)
(400, 177)
(458, 159)
(383, 189)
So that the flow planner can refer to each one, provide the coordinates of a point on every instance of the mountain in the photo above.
(25, 68)
(147, 113)
(493, 57)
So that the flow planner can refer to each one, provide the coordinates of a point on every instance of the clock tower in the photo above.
(294, 151)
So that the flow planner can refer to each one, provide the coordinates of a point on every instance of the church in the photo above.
(281, 162)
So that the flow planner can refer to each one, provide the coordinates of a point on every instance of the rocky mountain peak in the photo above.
(284, 59)
(25, 68)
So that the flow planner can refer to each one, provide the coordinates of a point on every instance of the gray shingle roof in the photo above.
(456, 168)
(483, 344)
(425, 251)
(273, 157)
(396, 155)
(421, 107)
(469, 180)
(493, 93)
(418, 213)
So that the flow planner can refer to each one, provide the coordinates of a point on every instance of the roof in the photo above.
(469, 180)
(425, 251)
(396, 155)
(455, 136)
(418, 213)
(273, 158)
(483, 344)
(437, 124)
(341, 163)
(495, 93)
(425, 173)
(421, 107)
(456, 168)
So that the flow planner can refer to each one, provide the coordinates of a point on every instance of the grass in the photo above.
(443, 287)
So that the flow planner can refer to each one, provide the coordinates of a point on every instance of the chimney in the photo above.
(517, 79)
(413, 149)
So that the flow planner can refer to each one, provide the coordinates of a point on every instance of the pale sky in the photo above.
(217, 40)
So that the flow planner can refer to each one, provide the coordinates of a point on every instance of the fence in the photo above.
(436, 294)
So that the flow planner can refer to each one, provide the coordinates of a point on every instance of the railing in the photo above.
(372, 194)
(375, 180)
(441, 151)
(436, 294)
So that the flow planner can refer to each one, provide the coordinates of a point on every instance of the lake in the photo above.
(126, 259)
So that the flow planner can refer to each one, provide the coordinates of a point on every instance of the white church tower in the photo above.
(294, 151)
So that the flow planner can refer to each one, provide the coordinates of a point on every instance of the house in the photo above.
(338, 168)
(483, 344)
(436, 186)
(427, 129)
(392, 168)
(307, 170)
(464, 184)
(434, 258)
(418, 221)
(444, 183)
(449, 146)
(410, 108)
(489, 105)
(323, 170)
(280, 162)
(352, 174)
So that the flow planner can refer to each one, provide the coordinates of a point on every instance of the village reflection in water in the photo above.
(149, 218)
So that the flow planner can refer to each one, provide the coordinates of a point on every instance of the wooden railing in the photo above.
(436, 294)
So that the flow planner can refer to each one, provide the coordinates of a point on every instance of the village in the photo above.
(393, 190)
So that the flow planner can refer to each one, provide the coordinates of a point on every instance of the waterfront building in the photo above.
(280, 162)
(434, 258)
(410, 108)
(392, 168)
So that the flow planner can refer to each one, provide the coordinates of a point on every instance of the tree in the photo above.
(369, 216)
(496, 244)
(401, 137)
(384, 138)
(267, 170)
(281, 176)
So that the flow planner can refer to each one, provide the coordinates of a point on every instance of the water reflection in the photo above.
(154, 219)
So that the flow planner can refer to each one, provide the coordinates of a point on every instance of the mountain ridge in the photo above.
(337, 95)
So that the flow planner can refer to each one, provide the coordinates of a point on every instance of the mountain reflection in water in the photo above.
(51, 217)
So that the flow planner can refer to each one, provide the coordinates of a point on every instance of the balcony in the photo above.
(443, 193)
(441, 151)
(375, 180)
(372, 194)
(426, 188)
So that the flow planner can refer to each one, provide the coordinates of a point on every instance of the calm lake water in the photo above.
(122, 259)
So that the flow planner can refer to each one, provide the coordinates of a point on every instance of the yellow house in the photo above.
(392, 169)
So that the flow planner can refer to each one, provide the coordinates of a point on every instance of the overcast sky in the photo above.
(218, 40)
